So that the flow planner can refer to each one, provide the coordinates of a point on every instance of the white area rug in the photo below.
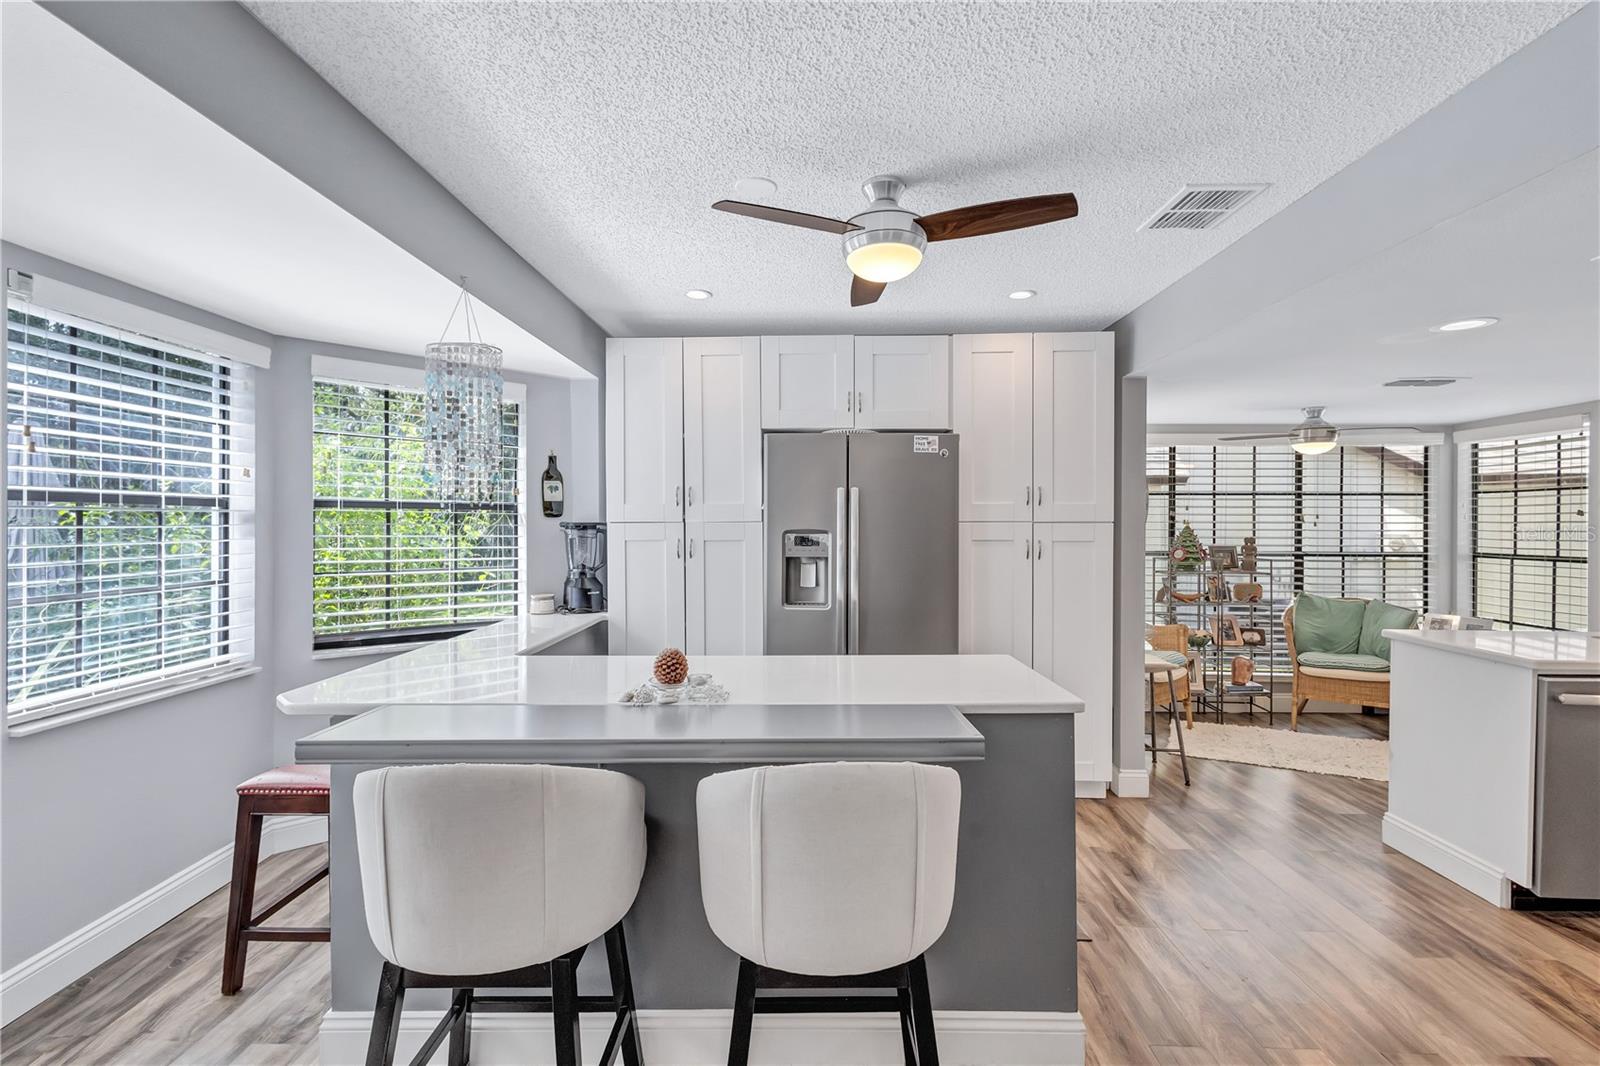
(1339, 756)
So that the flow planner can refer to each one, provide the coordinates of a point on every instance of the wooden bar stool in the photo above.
(1161, 670)
(284, 790)
(831, 876)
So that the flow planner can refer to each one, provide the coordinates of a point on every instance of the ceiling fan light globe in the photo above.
(1316, 441)
(883, 255)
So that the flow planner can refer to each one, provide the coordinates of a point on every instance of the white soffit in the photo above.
(1525, 257)
(594, 136)
(105, 170)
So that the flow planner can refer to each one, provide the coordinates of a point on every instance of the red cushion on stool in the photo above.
(291, 780)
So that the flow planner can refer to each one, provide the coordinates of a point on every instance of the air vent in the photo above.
(1202, 206)
(1419, 383)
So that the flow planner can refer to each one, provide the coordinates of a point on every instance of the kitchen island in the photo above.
(1004, 974)
(1494, 760)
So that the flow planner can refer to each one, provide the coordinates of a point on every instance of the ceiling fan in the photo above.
(1313, 436)
(884, 243)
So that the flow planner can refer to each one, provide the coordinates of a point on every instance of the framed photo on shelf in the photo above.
(1224, 557)
(1225, 631)
(1216, 588)
(1252, 636)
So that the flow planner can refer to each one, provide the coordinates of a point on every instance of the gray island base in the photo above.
(1003, 975)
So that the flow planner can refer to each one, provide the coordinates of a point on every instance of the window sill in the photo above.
(114, 703)
(365, 650)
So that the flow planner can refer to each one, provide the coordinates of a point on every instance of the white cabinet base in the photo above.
(644, 594)
(725, 607)
(1072, 632)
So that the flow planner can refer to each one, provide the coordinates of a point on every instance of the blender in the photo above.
(583, 592)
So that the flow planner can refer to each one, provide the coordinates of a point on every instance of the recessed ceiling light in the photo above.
(1023, 294)
(754, 188)
(698, 294)
(1465, 323)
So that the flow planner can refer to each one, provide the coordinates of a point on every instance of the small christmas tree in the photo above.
(1186, 552)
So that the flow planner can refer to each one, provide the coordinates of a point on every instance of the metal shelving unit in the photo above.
(1213, 688)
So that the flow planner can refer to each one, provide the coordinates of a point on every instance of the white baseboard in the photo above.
(36, 979)
(1447, 860)
(1089, 790)
(1131, 784)
(698, 1037)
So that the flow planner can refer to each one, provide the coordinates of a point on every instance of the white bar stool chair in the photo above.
(831, 876)
(478, 876)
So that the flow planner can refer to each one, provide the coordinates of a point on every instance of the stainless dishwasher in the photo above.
(1566, 818)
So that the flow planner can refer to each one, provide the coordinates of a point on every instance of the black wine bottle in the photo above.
(552, 490)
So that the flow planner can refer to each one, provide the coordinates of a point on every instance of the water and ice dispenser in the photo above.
(807, 557)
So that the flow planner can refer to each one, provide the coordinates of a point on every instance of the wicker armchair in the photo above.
(1336, 686)
(1174, 638)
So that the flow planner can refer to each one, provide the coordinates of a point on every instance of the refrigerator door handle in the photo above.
(1579, 699)
(854, 550)
(838, 570)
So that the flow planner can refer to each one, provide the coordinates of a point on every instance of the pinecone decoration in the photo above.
(672, 667)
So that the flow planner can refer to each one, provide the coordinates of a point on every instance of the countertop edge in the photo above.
(576, 623)
(1420, 639)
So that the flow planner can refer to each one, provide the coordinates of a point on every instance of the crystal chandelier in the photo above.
(462, 391)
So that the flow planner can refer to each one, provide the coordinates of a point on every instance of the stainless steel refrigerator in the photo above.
(861, 547)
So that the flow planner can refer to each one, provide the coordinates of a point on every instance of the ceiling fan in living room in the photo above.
(1313, 436)
(885, 242)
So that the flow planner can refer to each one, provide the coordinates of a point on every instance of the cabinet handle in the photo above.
(680, 547)
(689, 496)
(691, 547)
(1038, 495)
(1027, 495)
(677, 496)
(1027, 549)
(849, 400)
(860, 403)
(1038, 549)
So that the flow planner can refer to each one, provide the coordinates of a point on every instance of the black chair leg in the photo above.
(386, 1016)
(744, 1012)
(461, 1031)
(922, 1014)
(908, 1043)
(622, 994)
(564, 1011)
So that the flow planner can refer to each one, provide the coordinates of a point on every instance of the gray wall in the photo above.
(219, 60)
(1127, 727)
(97, 812)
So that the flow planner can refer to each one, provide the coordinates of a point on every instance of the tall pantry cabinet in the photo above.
(683, 495)
(1035, 413)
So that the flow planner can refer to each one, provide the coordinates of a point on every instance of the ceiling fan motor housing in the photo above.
(885, 222)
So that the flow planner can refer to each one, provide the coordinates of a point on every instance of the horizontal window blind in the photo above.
(391, 562)
(129, 514)
(1531, 530)
(1350, 522)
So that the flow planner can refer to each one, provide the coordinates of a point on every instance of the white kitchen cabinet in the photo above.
(722, 429)
(644, 586)
(725, 608)
(808, 382)
(993, 412)
(1074, 433)
(1072, 631)
(902, 382)
(996, 589)
(644, 429)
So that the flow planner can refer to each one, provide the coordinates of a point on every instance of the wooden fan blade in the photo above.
(788, 218)
(865, 292)
(999, 216)
(1259, 436)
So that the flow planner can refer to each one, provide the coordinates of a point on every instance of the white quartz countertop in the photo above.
(488, 666)
(536, 632)
(1546, 653)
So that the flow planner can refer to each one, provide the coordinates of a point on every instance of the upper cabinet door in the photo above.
(993, 413)
(722, 429)
(644, 429)
(725, 606)
(996, 593)
(807, 382)
(644, 586)
(903, 383)
(1074, 432)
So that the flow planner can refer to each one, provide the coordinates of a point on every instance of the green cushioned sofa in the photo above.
(1338, 650)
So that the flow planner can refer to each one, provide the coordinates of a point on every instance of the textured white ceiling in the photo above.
(1525, 257)
(594, 136)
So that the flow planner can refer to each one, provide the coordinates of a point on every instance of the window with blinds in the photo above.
(1530, 531)
(1350, 522)
(129, 515)
(390, 562)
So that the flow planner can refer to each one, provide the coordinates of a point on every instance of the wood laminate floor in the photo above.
(1252, 918)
